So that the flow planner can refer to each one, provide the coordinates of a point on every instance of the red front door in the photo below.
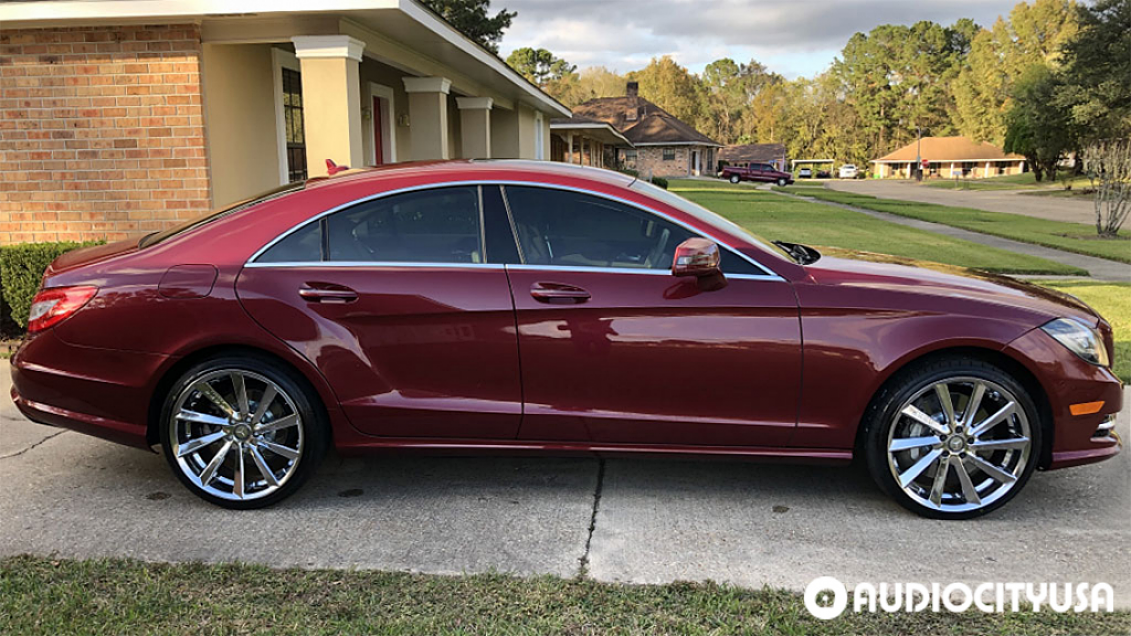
(378, 139)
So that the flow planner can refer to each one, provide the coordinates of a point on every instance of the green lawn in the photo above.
(1113, 301)
(1070, 237)
(61, 597)
(1025, 180)
(782, 218)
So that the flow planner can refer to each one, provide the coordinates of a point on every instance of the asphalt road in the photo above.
(657, 520)
(1072, 210)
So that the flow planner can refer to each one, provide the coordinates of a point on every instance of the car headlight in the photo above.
(1079, 339)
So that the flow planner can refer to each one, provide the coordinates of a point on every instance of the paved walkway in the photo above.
(1099, 268)
(642, 521)
(1072, 210)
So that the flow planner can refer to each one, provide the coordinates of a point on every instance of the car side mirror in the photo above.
(696, 257)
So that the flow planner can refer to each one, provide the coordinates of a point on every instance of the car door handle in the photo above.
(316, 293)
(558, 293)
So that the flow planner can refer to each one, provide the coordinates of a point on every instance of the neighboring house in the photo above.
(664, 146)
(585, 141)
(744, 155)
(949, 158)
(121, 116)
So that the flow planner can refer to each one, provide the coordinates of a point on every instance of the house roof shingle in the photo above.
(653, 125)
(752, 153)
(950, 149)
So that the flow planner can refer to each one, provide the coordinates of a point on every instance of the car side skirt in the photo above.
(364, 445)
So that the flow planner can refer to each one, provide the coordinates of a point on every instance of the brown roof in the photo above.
(753, 153)
(950, 149)
(653, 125)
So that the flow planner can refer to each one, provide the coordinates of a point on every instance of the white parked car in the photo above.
(805, 173)
(848, 171)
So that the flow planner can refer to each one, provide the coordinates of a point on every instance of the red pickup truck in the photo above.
(756, 172)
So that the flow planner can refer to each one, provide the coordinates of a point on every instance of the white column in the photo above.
(475, 126)
(428, 116)
(569, 147)
(331, 100)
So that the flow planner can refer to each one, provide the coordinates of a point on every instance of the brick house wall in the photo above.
(101, 132)
(650, 161)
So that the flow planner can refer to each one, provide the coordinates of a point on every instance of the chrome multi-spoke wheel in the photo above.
(959, 444)
(236, 434)
(954, 441)
(241, 432)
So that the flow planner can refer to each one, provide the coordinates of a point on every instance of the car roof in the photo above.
(472, 169)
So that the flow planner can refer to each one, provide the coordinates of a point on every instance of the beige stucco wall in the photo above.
(525, 133)
(239, 111)
(504, 134)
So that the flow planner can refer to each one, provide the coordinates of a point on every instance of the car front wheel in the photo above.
(953, 439)
(782, 182)
(735, 178)
(242, 431)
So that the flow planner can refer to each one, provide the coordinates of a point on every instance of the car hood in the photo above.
(935, 279)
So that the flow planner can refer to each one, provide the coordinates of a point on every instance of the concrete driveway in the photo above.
(1073, 210)
(655, 521)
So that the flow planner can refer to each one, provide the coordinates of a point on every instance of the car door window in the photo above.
(428, 226)
(573, 229)
(304, 245)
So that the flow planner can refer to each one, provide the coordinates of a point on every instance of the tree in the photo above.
(539, 65)
(671, 87)
(575, 88)
(471, 18)
(730, 90)
(1096, 87)
(896, 79)
(1034, 34)
(1108, 164)
(1035, 128)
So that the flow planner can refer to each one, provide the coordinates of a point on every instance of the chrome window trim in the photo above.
(769, 274)
(375, 264)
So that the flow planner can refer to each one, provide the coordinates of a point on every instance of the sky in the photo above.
(790, 37)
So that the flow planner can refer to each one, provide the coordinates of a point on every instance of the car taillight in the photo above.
(52, 306)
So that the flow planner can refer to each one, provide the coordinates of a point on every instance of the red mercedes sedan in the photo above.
(535, 307)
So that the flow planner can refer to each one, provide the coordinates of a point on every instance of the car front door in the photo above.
(395, 302)
(616, 349)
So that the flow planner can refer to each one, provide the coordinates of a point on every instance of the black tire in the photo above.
(315, 429)
(735, 178)
(782, 182)
(881, 417)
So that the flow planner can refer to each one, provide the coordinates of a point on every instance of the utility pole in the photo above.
(919, 154)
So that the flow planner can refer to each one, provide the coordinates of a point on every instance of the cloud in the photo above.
(792, 38)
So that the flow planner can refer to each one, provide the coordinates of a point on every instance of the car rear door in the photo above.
(394, 300)
(616, 349)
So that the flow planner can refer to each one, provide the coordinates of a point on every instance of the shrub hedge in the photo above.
(21, 271)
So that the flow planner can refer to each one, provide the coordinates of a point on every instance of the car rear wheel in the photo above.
(242, 432)
(735, 178)
(953, 439)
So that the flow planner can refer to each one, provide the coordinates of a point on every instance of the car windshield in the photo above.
(157, 237)
(710, 218)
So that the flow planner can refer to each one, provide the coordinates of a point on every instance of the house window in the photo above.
(669, 154)
(630, 156)
(292, 125)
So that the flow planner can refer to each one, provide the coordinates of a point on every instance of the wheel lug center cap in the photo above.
(956, 444)
(242, 432)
